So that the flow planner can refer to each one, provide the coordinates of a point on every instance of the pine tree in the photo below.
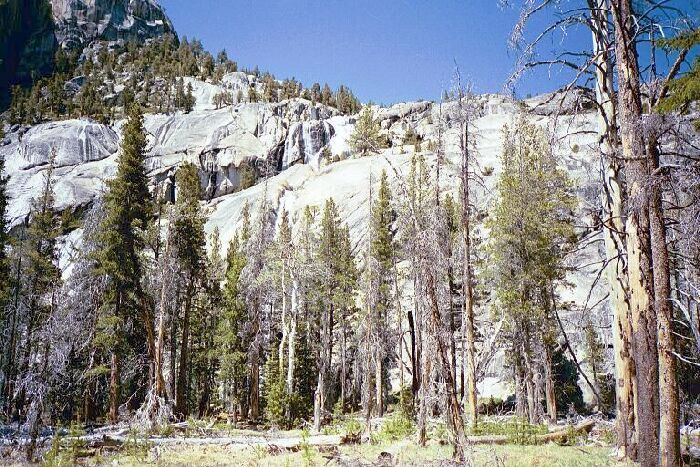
(42, 280)
(127, 213)
(530, 231)
(230, 339)
(686, 89)
(381, 255)
(253, 94)
(365, 140)
(326, 95)
(190, 242)
(274, 392)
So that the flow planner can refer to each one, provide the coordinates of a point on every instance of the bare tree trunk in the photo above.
(669, 408)
(379, 393)
(159, 381)
(637, 171)
(285, 323)
(318, 402)
(520, 391)
(291, 343)
(254, 387)
(114, 389)
(530, 391)
(614, 235)
(173, 355)
(182, 377)
(550, 396)
(468, 274)
(454, 407)
(415, 363)
(423, 398)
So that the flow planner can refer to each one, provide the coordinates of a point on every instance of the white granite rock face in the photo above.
(290, 136)
(78, 22)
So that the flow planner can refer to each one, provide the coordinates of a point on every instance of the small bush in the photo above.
(353, 428)
(396, 427)
(440, 434)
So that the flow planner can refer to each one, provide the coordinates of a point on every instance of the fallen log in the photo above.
(560, 436)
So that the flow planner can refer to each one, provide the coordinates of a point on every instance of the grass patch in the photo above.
(518, 430)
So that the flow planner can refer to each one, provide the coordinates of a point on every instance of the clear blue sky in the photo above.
(385, 50)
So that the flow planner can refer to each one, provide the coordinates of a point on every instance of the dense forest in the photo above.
(293, 325)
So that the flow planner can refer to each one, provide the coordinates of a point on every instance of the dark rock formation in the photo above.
(32, 30)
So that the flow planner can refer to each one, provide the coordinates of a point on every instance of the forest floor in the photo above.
(392, 442)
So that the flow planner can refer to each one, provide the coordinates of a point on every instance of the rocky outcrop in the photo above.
(290, 136)
(79, 22)
(32, 30)
(27, 43)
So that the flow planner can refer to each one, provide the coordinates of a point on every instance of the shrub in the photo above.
(398, 426)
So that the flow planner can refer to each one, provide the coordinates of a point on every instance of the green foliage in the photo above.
(518, 430)
(440, 433)
(190, 239)
(353, 428)
(395, 427)
(60, 454)
(229, 344)
(412, 138)
(365, 140)
(345, 100)
(406, 403)
(307, 451)
(248, 175)
(531, 230)
(136, 446)
(566, 389)
(120, 240)
(274, 391)
(685, 89)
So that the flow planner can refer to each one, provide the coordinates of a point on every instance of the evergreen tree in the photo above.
(315, 93)
(381, 257)
(228, 340)
(365, 140)
(190, 242)
(530, 231)
(326, 95)
(686, 89)
(42, 279)
(127, 213)
(253, 94)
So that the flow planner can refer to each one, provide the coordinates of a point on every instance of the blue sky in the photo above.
(385, 50)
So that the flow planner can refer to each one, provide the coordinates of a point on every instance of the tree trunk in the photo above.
(173, 355)
(614, 235)
(255, 387)
(159, 381)
(638, 240)
(467, 278)
(669, 441)
(550, 396)
(291, 342)
(114, 389)
(415, 365)
(183, 370)
(379, 393)
(285, 323)
(318, 402)
(454, 407)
